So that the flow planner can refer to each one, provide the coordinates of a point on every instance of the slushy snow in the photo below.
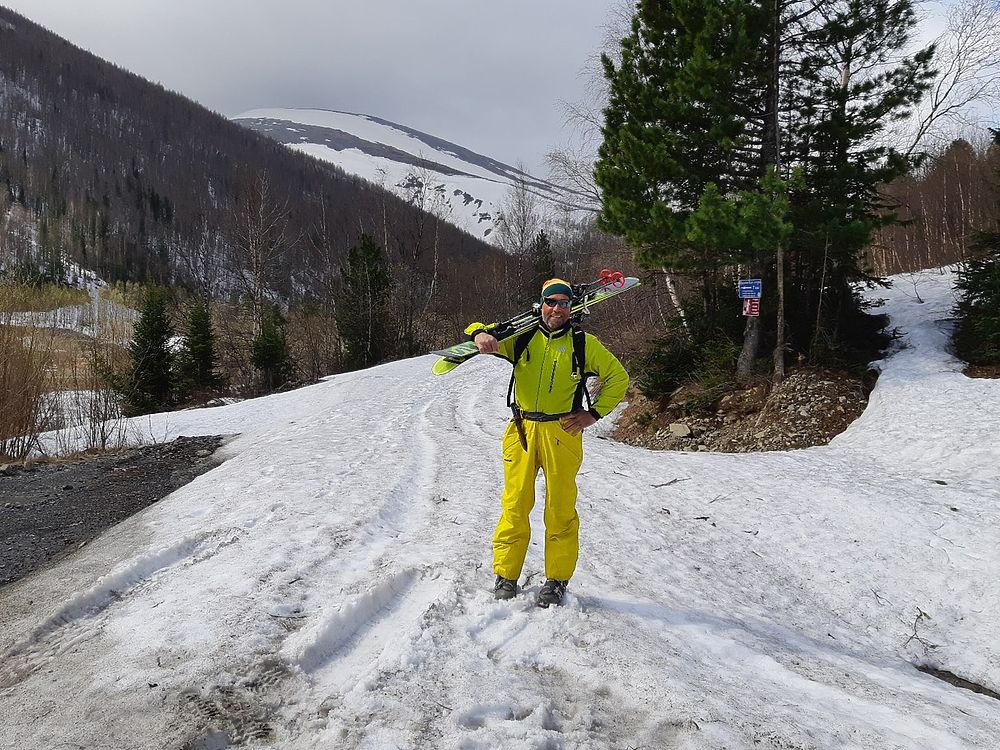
(328, 585)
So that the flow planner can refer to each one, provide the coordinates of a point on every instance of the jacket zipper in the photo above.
(541, 370)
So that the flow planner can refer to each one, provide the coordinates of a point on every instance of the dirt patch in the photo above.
(50, 509)
(953, 679)
(809, 408)
(982, 371)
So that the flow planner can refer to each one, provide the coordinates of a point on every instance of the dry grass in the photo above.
(127, 293)
(43, 298)
(49, 376)
(24, 379)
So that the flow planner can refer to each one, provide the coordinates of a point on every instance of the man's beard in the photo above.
(559, 327)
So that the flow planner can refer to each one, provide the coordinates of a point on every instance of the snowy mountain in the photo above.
(329, 584)
(153, 182)
(456, 184)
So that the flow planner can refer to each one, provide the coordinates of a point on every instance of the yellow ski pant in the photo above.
(559, 455)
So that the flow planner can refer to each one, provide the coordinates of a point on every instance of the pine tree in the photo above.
(197, 364)
(977, 331)
(270, 353)
(151, 382)
(676, 122)
(366, 284)
(541, 263)
(850, 85)
(740, 134)
(687, 161)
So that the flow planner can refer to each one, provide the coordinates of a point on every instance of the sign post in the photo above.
(750, 290)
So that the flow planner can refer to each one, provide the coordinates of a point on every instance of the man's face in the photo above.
(553, 315)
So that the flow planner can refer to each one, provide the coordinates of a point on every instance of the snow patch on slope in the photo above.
(454, 183)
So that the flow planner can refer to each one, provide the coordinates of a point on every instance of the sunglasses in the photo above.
(563, 303)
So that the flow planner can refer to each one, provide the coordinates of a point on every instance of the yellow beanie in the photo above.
(556, 286)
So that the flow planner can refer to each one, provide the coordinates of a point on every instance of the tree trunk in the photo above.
(751, 342)
(676, 300)
(779, 339)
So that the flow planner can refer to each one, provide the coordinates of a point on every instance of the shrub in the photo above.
(270, 351)
(668, 363)
(977, 333)
(23, 384)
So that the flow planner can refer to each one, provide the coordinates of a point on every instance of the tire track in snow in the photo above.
(401, 508)
(478, 395)
(349, 644)
(345, 644)
(76, 621)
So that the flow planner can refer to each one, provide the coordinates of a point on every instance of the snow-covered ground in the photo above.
(328, 585)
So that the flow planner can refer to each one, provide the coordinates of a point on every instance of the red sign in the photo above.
(751, 307)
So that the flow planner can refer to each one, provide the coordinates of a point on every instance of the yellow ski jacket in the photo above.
(544, 377)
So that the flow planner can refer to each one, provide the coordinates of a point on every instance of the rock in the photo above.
(678, 429)
(203, 453)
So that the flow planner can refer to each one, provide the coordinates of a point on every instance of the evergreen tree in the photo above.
(270, 353)
(150, 384)
(540, 262)
(197, 365)
(366, 283)
(849, 86)
(977, 332)
(740, 133)
(676, 122)
(689, 153)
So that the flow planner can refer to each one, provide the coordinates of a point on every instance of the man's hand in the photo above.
(486, 343)
(578, 421)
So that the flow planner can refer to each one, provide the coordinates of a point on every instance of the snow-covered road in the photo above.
(328, 585)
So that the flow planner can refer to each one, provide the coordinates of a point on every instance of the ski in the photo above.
(610, 284)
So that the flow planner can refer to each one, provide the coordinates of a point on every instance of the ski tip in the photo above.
(444, 366)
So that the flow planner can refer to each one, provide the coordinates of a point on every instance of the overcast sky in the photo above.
(488, 75)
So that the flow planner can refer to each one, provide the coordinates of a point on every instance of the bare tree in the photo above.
(201, 262)
(968, 61)
(572, 166)
(520, 217)
(260, 243)
(430, 197)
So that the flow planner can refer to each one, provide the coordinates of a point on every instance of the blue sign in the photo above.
(749, 288)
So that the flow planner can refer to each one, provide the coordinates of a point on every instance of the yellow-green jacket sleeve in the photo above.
(614, 378)
(506, 346)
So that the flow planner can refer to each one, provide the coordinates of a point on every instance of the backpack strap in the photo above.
(579, 366)
(520, 345)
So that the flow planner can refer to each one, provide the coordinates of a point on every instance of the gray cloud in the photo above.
(486, 75)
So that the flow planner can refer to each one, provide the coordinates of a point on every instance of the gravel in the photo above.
(51, 509)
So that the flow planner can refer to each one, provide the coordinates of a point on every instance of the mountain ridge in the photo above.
(104, 168)
(470, 187)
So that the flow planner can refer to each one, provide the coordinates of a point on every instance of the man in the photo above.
(547, 433)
